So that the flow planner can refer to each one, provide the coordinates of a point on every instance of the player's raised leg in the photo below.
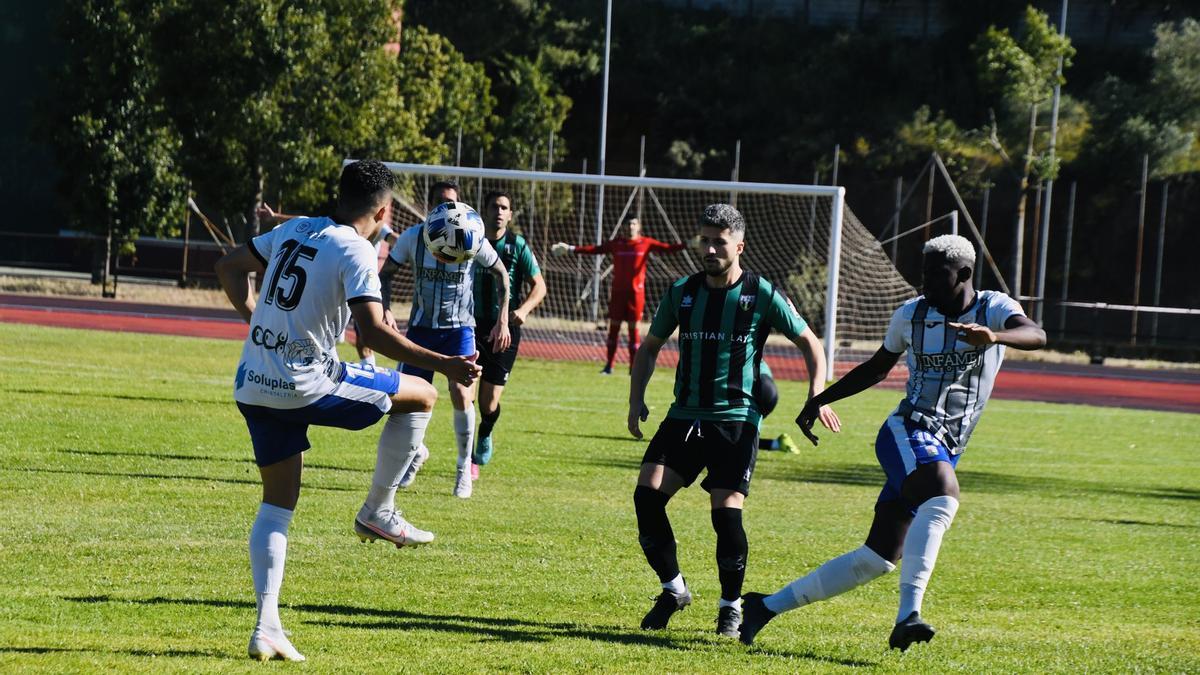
(399, 444)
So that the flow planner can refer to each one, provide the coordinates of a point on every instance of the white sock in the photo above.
(722, 602)
(834, 577)
(402, 435)
(921, 546)
(464, 432)
(676, 585)
(268, 549)
(368, 360)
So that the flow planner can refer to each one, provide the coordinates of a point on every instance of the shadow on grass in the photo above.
(1147, 523)
(987, 481)
(570, 434)
(502, 629)
(58, 393)
(128, 652)
(160, 476)
(198, 458)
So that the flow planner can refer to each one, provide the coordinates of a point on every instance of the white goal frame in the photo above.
(836, 194)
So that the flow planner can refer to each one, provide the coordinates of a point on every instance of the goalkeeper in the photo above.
(627, 302)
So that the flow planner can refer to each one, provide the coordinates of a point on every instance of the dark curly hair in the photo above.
(363, 186)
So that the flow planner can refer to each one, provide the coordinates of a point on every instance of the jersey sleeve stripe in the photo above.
(363, 298)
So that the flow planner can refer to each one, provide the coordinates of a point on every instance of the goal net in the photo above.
(802, 238)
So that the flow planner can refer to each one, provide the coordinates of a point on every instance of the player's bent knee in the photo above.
(727, 499)
(414, 395)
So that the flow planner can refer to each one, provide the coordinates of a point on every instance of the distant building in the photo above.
(1089, 22)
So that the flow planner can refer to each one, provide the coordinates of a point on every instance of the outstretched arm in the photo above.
(563, 248)
(639, 377)
(233, 270)
(267, 214)
(657, 246)
(864, 376)
(1020, 332)
(818, 375)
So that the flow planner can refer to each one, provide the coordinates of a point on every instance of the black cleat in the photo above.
(729, 620)
(755, 615)
(910, 630)
(666, 604)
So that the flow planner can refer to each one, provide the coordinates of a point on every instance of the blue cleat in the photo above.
(483, 451)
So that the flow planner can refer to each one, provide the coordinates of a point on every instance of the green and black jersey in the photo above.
(522, 267)
(721, 336)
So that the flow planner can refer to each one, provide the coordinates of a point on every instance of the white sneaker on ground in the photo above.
(389, 525)
(462, 484)
(265, 647)
(410, 474)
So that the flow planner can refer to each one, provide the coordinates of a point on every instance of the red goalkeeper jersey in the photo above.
(629, 260)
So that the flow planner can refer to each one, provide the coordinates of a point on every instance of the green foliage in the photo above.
(1023, 72)
(1159, 117)
(444, 93)
(533, 51)
(537, 108)
(1024, 68)
(685, 161)
(112, 135)
(964, 151)
(1176, 72)
(265, 91)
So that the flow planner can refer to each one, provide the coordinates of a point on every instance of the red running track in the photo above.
(1091, 385)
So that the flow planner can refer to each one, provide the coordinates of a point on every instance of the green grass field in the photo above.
(127, 491)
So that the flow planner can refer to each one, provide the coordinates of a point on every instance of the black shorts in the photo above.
(727, 449)
(496, 367)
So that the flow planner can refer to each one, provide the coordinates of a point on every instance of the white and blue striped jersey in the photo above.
(949, 380)
(442, 292)
(315, 270)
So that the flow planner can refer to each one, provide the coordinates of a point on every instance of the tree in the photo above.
(534, 51)
(1024, 73)
(1159, 116)
(113, 137)
(445, 93)
(268, 90)
(536, 108)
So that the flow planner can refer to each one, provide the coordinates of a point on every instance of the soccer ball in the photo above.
(453, 232)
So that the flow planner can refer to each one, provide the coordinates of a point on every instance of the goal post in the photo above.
(801, 237)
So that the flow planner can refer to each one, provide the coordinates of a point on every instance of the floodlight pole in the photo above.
(600, 168)
(1044, 245)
